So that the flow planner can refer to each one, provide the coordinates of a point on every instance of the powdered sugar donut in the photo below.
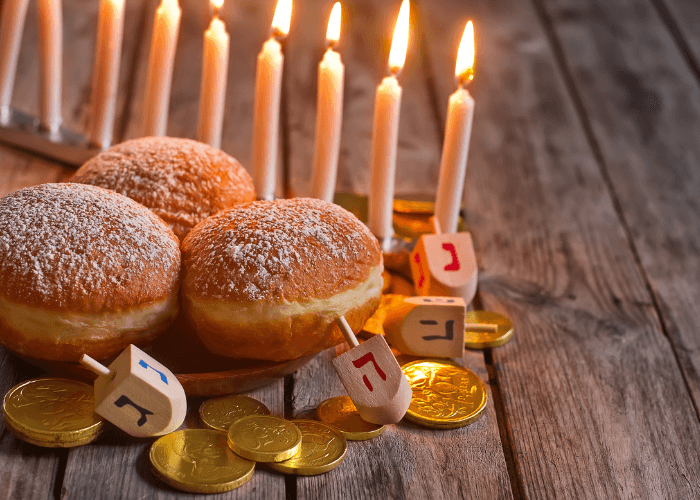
(83, 270)
(180, 180)
(267, 280)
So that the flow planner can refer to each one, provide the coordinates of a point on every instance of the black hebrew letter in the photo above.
(123, 400)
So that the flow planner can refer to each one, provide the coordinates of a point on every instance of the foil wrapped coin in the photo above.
(199, 461)
(52, 412)
(445, 395)
(322, 449)
(220, 413)
(341, 414)
(375, 324)
(486, 340)
(264, 438)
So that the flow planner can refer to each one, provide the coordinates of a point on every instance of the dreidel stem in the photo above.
(436, 225)
(95, 366)
(481, 327)
(347, 331)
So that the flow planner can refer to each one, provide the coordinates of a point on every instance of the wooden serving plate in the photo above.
(200, 372)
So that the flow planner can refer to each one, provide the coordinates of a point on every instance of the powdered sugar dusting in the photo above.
(283, 249)
(180, 180)
(83, 247)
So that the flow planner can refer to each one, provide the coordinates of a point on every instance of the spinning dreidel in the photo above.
(138, 394)
(427, 326)
(445, 265)
(373, 378)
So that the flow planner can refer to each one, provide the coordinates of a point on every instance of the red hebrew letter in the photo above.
(454, 265)
(421, 279)
(362, 361)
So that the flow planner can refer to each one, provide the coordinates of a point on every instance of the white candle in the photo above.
(14, 13)
(385, 135)
(460, 115)
(160, 67)
(268, 90)
(329, 114)
(105, 76)
(51, 48)
(214, 73)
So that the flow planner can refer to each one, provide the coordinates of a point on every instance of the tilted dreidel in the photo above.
(138, 394)
(373, 378)
(427, 326)
(445, 265)
(430, 326)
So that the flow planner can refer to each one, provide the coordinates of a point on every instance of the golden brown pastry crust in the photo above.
(273, 251)
(78, 248)
(180, 180)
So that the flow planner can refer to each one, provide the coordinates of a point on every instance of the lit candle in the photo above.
(105, 76)
(458, 131)
(11, 26)
(268, 89)
(214, 73)
(385, 135)
(160, 67)
(51, 48)
(329, 114)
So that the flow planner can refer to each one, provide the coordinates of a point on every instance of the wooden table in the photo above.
(582, 197)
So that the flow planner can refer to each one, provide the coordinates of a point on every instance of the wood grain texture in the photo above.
(248, 24)
(367, 28)
(643, 105)
(406, 461)
(594, 401)
(118, 467)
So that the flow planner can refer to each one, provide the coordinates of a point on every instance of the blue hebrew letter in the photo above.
(147, 366)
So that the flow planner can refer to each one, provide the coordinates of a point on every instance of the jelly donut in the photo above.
(83, 270)
(180, 180)
(266, 280)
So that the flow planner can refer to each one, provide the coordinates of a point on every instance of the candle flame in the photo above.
(169, 5)
(399, 44)
(282, 18)
(333, 32)
(464, 70)
(217, 4)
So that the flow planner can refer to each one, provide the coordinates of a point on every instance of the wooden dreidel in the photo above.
(373, 378)
(427, 326)
(445, 265)
(138, 394)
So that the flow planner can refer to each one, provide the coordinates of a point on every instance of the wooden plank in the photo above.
(683, 17)
(367, 28)
(645, 118)
(118, 466)
(248, 24)
(406, 461)
(594, 401)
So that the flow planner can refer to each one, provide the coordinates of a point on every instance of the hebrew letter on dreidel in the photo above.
(427, 326)
(373, 379)
(136, 381)
(445, 265)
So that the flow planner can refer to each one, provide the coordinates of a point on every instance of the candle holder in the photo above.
(25, 132)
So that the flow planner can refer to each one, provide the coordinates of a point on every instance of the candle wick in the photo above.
(394, 71)
(466, 78)
(277, 34)
(331, 44)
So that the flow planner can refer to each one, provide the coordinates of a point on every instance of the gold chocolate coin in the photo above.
(445, 395)
(485, 340)
(322, 449)
(341, 414)
(199, 461)
(264, 438)
(375, 324)
(220, 413)
(52, 412)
